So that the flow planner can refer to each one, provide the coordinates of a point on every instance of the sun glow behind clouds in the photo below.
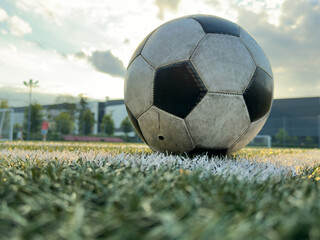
(271, 7)
(3, 15)
(61, 75)
(48, 35)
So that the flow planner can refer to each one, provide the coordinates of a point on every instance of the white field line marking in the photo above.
(255, 169)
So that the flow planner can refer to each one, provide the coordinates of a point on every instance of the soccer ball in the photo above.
(198, 84)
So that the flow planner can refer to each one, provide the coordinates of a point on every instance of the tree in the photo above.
(5, 118)
(83, 108)
(294, 140)
(68, 104)
(64, 123)
(126, 126)
(4, 104)
(35, 120)
(31, 84)
(87, 121)
(309, 141)
(83, 101)
(16, 128)
(282, 136)
(107, 125)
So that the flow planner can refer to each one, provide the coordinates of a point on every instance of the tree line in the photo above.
(70, 111)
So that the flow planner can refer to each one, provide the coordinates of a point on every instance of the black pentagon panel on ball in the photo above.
(211, 24)
(135, 124)
(258, 95)
(178, 88)
(138, 51)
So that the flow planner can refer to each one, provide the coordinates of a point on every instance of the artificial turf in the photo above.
(99, 199)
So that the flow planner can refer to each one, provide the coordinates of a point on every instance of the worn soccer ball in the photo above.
(198, 84)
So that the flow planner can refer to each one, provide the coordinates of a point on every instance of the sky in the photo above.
(83, 47)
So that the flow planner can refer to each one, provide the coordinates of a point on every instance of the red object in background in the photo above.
(45, 125)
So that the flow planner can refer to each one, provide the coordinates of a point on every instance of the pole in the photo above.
(29, 113)
(11, 125)
(31, 84)
(269, 141)
(1, 122)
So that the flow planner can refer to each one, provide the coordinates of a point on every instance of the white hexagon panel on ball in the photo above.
(172, 42)
(225, 117)
(223, 63)
(165, 132)
(138, 90)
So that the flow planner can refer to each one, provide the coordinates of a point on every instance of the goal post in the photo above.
(261, 141)
(6, 124)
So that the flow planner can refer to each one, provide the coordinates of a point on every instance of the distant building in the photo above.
(115, 108)
(298, 116)
(49, 112)
(118, 112)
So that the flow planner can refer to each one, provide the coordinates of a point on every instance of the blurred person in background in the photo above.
(20, 135)
(44, 129)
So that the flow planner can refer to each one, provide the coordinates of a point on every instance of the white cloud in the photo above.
(292, 46)
(106, 62)
(50, 10)
(96, 24)
(12, 47)
(3, 15)
(18, 27)
(166, 4)
(287, 31)
(56, 74)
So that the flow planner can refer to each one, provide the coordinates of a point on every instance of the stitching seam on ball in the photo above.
(173, 63)
(189, 134)
(240, 137)
(225, 93)
(196, 106)
(265, 72)
(148, 62)
(196, 47)
(144, 44)
(250, 82)
(245, 132)
(144, 112)
(255, 64)
(254, 59)
(222, 33)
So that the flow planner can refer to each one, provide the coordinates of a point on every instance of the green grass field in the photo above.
(124, 191)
